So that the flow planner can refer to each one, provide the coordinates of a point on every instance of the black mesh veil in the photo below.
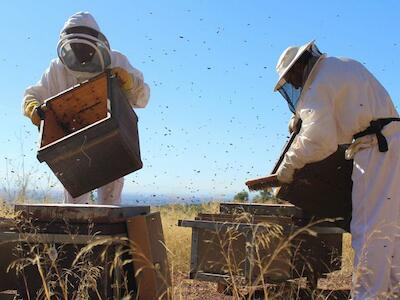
(289, 91)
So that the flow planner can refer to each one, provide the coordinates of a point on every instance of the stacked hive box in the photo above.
(254, 244)
(125, 245)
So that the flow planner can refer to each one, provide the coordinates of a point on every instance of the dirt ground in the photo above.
(187, 289)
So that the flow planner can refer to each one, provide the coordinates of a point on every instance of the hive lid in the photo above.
(81, 213)
(288, 210)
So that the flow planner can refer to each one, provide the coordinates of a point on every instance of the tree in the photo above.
(266, 196)
(242, 196)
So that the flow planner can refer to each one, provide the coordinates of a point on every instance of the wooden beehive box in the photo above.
(240, 244)
(69, 229)
(89, 136)
(229, 245)
(323, 189)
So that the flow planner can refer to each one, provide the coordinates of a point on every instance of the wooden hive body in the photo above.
(231, 246)
(89, 136)
(138, 267)
(323, 189)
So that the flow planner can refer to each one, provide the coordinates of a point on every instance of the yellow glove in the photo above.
(128, 82)
(124, 78)
(31, 112)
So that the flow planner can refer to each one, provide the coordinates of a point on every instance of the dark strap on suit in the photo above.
(376, 127)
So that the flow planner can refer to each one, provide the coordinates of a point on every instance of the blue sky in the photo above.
(213, 120)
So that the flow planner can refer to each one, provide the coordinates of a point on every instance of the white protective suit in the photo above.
(339, 99)
(57, 79)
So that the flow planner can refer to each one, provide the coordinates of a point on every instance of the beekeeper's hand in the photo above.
(128, 81)
(285, 173)
(294, 124)
(31, 110)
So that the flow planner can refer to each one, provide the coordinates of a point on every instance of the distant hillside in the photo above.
(127, 198)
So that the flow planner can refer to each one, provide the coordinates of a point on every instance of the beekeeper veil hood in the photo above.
(294, 66)
(82, 48)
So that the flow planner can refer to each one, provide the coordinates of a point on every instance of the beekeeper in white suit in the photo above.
(340, 102)
(84, 52)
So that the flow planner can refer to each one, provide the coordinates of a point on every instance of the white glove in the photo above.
(285, 173)
(138, 84)
(293, 122)
(359, 144)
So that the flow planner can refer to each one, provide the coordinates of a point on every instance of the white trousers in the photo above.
(109, 194)
(375, 222)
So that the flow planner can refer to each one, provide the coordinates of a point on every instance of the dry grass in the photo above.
(6, 210)
(348, 255)
(178, 242)
(178, 239)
